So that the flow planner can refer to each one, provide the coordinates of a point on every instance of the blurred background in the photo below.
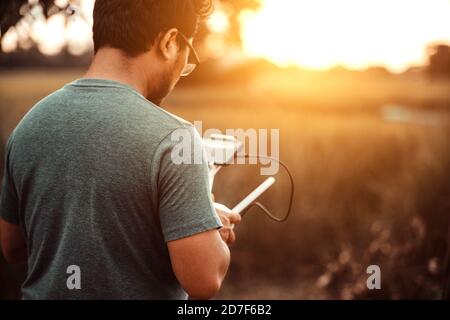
(360, 91)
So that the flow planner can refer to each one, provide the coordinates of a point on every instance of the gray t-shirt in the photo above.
(90, 180)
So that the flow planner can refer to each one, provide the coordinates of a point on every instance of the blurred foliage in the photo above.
(439, 61)
(235, 8)
(12, 11)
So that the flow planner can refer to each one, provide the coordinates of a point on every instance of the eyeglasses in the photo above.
(190, 66)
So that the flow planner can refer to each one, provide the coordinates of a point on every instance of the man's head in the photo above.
(152, 34)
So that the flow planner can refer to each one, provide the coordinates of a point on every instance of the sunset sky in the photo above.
(316, 34)
(320, 34)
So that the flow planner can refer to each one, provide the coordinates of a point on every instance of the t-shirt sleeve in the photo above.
(8, 196)
(184, 194)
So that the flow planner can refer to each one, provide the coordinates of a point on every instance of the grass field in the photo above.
(368, 190)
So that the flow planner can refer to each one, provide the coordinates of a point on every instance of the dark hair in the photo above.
(133, 25)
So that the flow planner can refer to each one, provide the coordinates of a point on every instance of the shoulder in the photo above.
(153, 113)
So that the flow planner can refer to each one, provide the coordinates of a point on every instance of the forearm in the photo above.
(200, 263)
(222, 260)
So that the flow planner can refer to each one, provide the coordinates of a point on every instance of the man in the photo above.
(91, 198)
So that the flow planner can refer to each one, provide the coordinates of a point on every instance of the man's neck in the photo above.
(112, 64)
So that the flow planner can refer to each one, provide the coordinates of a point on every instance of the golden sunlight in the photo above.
(218, 22)
(321, 34)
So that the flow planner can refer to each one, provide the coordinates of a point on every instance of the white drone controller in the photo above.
(220, 151)
(248, 200)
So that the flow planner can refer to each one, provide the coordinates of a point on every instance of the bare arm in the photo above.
(200, 262)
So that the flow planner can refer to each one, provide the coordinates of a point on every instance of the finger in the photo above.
(224, 234)
(225, 220)
(234, 217)
(231, 237)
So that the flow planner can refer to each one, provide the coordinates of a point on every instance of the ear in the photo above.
(168, 44)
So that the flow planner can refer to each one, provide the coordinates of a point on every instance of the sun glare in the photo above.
(218, 22)
(321, 34)
(316, 34)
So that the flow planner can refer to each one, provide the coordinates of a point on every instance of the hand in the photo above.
(229, 220)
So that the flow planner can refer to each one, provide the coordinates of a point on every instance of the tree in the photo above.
(236, 7)
(13, 11)
(439, 61)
